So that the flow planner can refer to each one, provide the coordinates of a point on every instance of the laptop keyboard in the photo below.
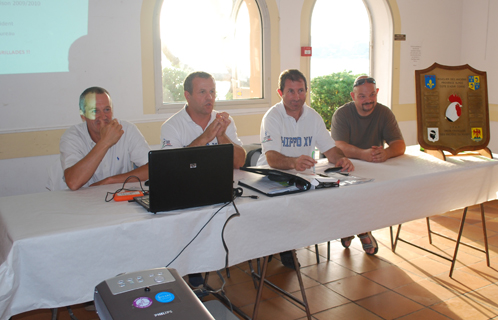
(143, 201)
(146, 200)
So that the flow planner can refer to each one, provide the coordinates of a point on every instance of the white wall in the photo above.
(450, 32)
(436, 27)
(479, 45)
(290, 33)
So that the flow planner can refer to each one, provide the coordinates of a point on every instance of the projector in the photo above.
(149, 294)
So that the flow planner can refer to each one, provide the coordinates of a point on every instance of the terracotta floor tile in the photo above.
(409, 235)
(244, 293)
(493, 240)
(426, 292)
(343, 253)
(491, 225)
(389, 305)
(276, 309)
(361, 263)
(462, 307)
(487, 295)
(356, 287)
(62, 314)
(321, 298)
(425, 314)
(443, 223)
(275, 266)
(237, 275)
(467, 257)
(307, 257)
(337, 251)
(350, 311)
(436, 246)
(493, 250)
(473, 215)
(475, 232)
(288, 281)
(481, 269)
(326, 272)
(402, 253)
(392, 277)
(425, 267)
(461, 281)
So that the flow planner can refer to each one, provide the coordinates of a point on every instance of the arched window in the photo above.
(340, 42)
(381, 59)
(222, 37)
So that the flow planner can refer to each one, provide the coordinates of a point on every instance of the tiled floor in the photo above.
(409, 284)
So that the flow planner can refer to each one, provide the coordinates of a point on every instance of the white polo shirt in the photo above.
(131, 149)
(282, 133)
(180, 130)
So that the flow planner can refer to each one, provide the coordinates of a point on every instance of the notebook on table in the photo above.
(189, 177)
(272, 182)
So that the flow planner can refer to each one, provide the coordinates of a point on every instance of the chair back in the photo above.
(253, 151)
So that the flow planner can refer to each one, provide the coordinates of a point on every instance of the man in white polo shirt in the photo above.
(102, 150)
(198, 124)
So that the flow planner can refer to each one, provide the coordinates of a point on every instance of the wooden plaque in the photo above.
(452, 108)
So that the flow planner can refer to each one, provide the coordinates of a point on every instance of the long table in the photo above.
(55, 247)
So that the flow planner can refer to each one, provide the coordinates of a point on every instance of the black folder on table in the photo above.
(272, 182)
(189, 177)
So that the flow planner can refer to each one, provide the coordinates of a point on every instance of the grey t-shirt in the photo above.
(364, 132)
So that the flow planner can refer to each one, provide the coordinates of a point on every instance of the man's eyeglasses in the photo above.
(361, 81)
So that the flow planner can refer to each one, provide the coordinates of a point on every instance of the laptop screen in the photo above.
(190, 177)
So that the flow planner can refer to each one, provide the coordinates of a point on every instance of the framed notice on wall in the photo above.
(452, 108)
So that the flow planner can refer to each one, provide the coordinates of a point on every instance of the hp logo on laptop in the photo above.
(193, 165)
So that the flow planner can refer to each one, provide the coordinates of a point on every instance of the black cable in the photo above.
(123, 189)
(211, 218)
(236, 214)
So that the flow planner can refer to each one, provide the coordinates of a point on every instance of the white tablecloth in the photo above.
(55, 247)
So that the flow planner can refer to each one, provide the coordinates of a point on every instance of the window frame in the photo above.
(236, 106)
(382, 46)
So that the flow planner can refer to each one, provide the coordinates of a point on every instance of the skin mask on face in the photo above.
(90, 106)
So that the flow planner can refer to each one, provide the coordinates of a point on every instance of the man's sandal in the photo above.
(372, 244)
(346, 242)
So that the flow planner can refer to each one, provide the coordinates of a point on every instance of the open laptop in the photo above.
(189, 177)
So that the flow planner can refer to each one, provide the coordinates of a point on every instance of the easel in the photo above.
(452, 115)
(486, 152)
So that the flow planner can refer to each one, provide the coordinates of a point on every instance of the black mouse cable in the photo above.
(236, 214)
(221, 290)
(202, 228)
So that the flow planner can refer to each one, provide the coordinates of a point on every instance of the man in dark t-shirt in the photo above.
(360, 129)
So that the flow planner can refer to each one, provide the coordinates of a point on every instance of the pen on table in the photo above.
(313, 156)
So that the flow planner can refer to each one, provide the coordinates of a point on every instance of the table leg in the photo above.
(485, 233)
(260, 288)
(462, 223)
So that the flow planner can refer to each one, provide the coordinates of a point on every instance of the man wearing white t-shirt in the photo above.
(290, 130)
(102, 150)
(198, 124)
